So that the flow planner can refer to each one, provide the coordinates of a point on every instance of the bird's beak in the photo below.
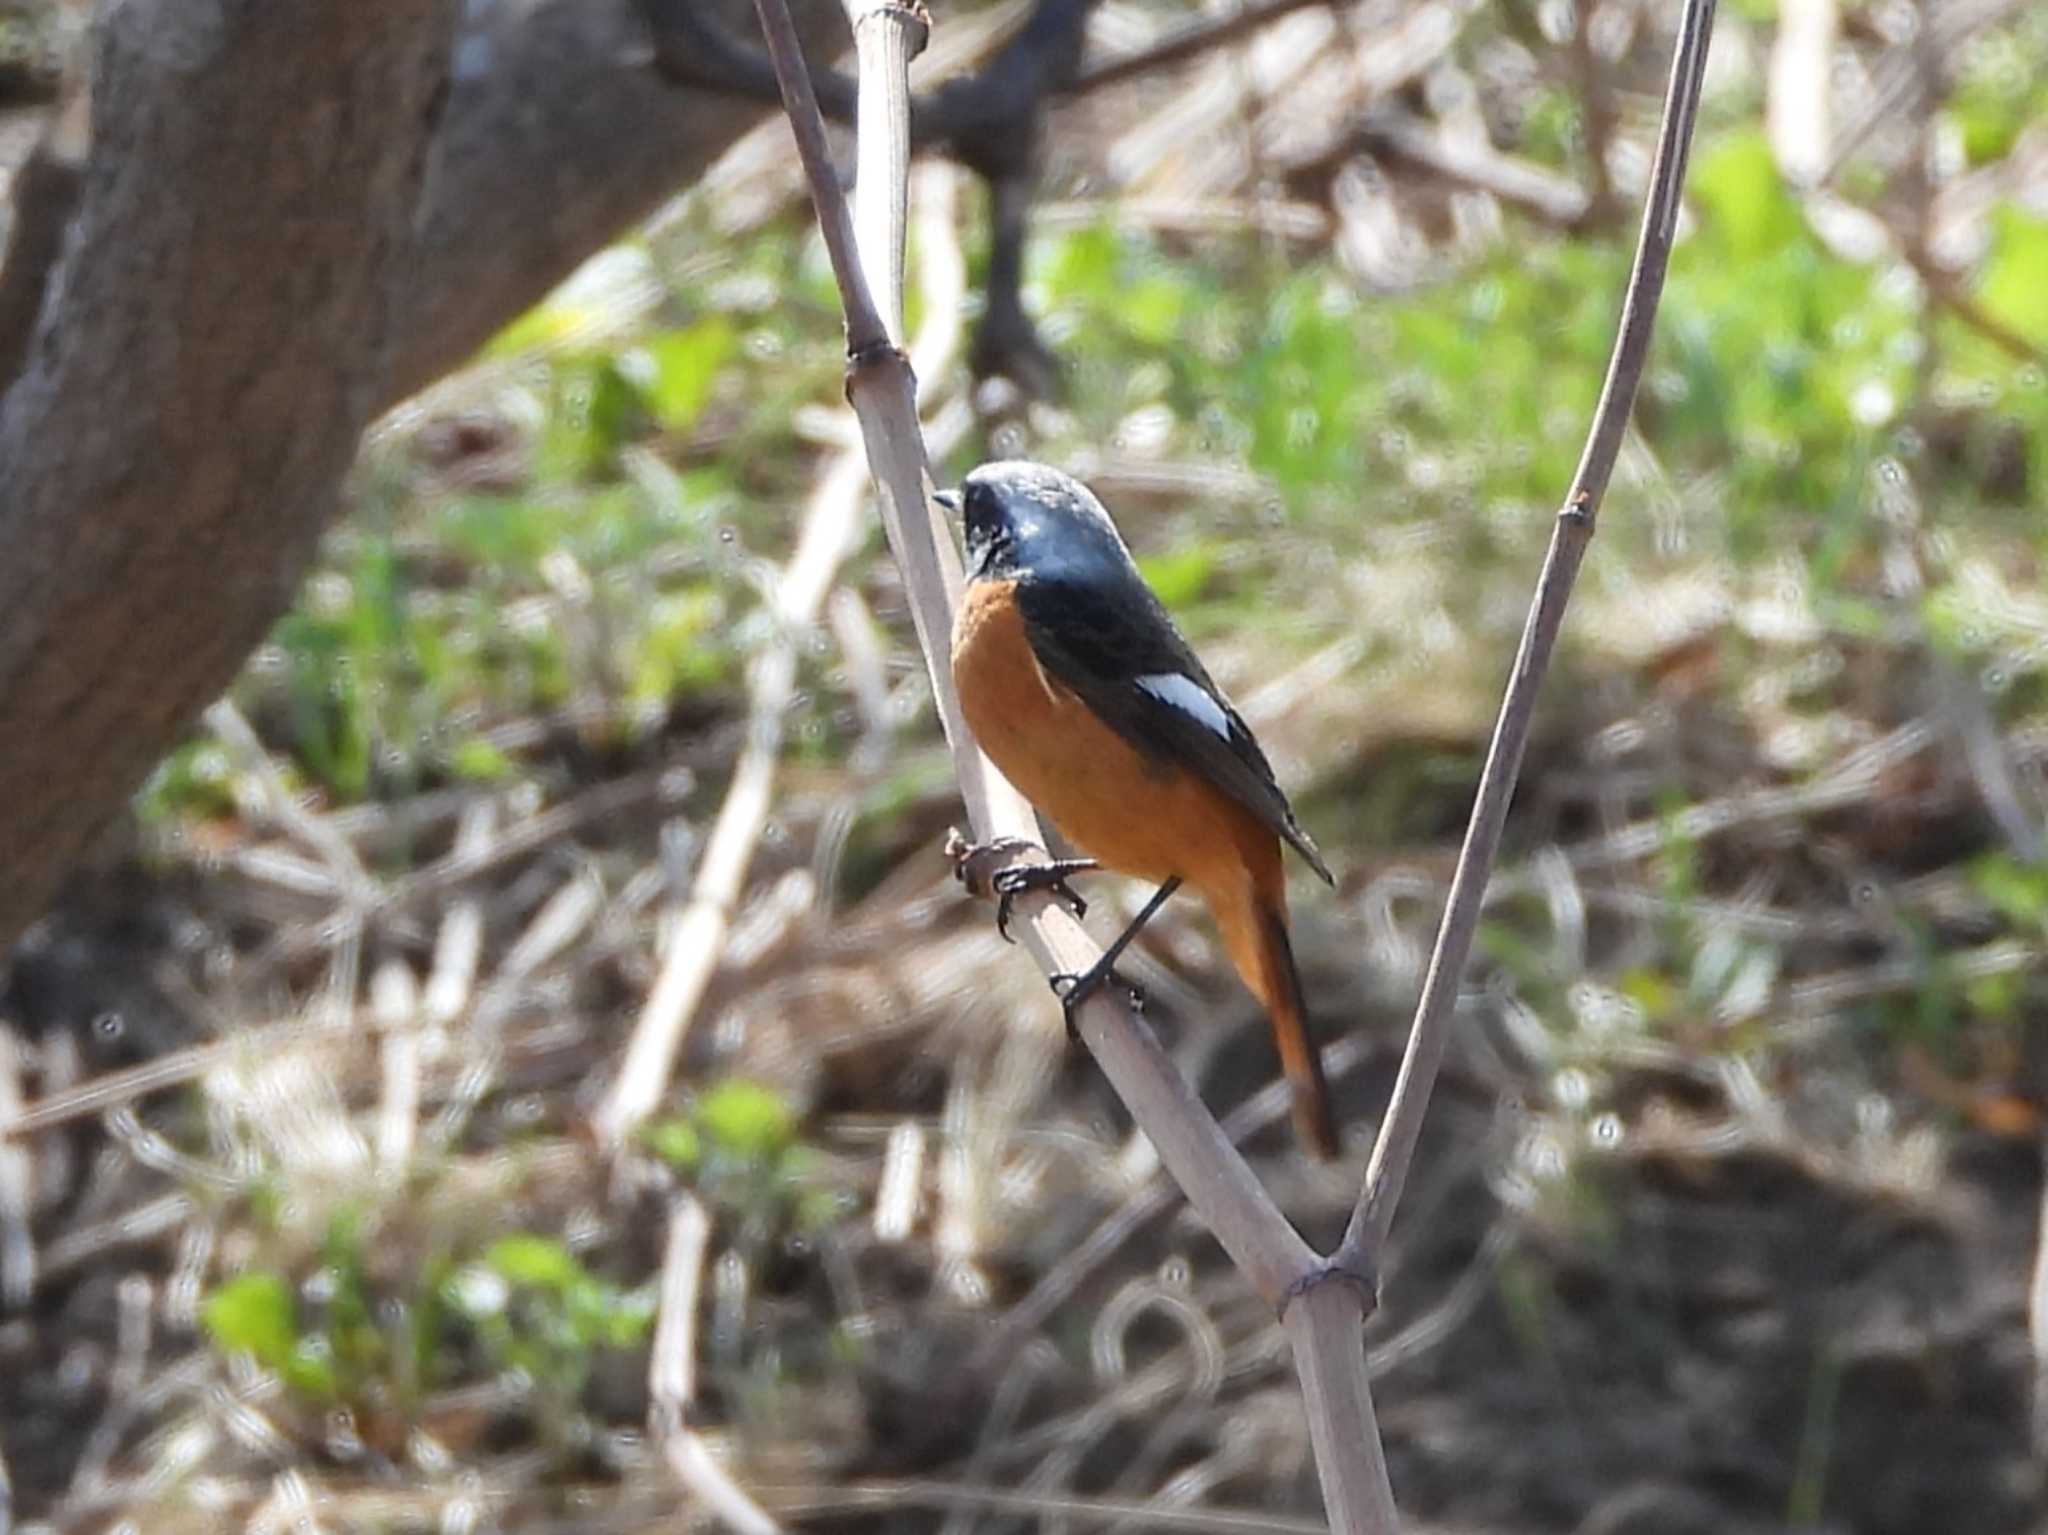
(949, 499)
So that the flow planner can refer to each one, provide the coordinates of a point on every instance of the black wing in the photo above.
(1098, 643)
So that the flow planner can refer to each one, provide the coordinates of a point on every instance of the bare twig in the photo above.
(117, 1088)
(1329, 1356)
(356, 883)
(458, 944)
(395, 1004)
(17, 1199)
(887, 37)
(1949, 294)
(1396, 135)
(890, 1496)
(1796, 105)
(672, 1361)
(1191, 1145)
(1189, 41)
(1597, 110)
(672, 1376)
(1395, 1148)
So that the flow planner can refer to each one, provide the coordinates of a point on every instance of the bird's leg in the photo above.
(975, 865)
(1073, 990)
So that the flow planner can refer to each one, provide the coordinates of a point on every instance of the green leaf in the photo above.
(678, 648)
(746, 1119)
(524, 1258)
(594, 409)
(1999, 93)
(479, 761)
(1651, 990)
(675, 1141)
(540, 328)
(196, 780)
(2014, 287)
(1151, 310)
(254, 1314)
(1996, 996)
(502, 530)
(2016, 891)
(1084, 265)
(686, 364)
(627, 1319)
(1179, 576)
(310, 1370)
(1743, 200)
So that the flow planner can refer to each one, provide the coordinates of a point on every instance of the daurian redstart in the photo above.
(1078, 685)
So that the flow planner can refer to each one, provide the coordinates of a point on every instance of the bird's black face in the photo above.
(1024, 520)
(987, 529)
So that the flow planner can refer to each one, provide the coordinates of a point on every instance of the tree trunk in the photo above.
(293, 214)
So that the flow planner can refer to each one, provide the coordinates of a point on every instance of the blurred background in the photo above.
(601, 729)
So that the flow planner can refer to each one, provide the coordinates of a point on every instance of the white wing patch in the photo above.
(1188, 696)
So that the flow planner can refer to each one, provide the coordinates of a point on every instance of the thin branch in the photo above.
(1949, 294)
(113, 1089)
(1197, 38)
(973, 115)
(887, 37)
(1392, 134)
(17, 1199)
(1395, 1149)
(1324, 1332)
(672, 1361)
(672, 1376)
(891, 1497)
(864, 326)
(395, 1005)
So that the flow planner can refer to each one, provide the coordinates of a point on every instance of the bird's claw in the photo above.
(1073, 990)
(1018, 878)
(1008, 867)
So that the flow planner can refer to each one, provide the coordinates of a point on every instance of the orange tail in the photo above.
(1254, 928)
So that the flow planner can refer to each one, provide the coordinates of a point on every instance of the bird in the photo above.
(1075, 681)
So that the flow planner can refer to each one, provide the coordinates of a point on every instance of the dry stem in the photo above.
(1395, 1149)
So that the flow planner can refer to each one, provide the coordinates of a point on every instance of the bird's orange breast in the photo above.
(1137, 816)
